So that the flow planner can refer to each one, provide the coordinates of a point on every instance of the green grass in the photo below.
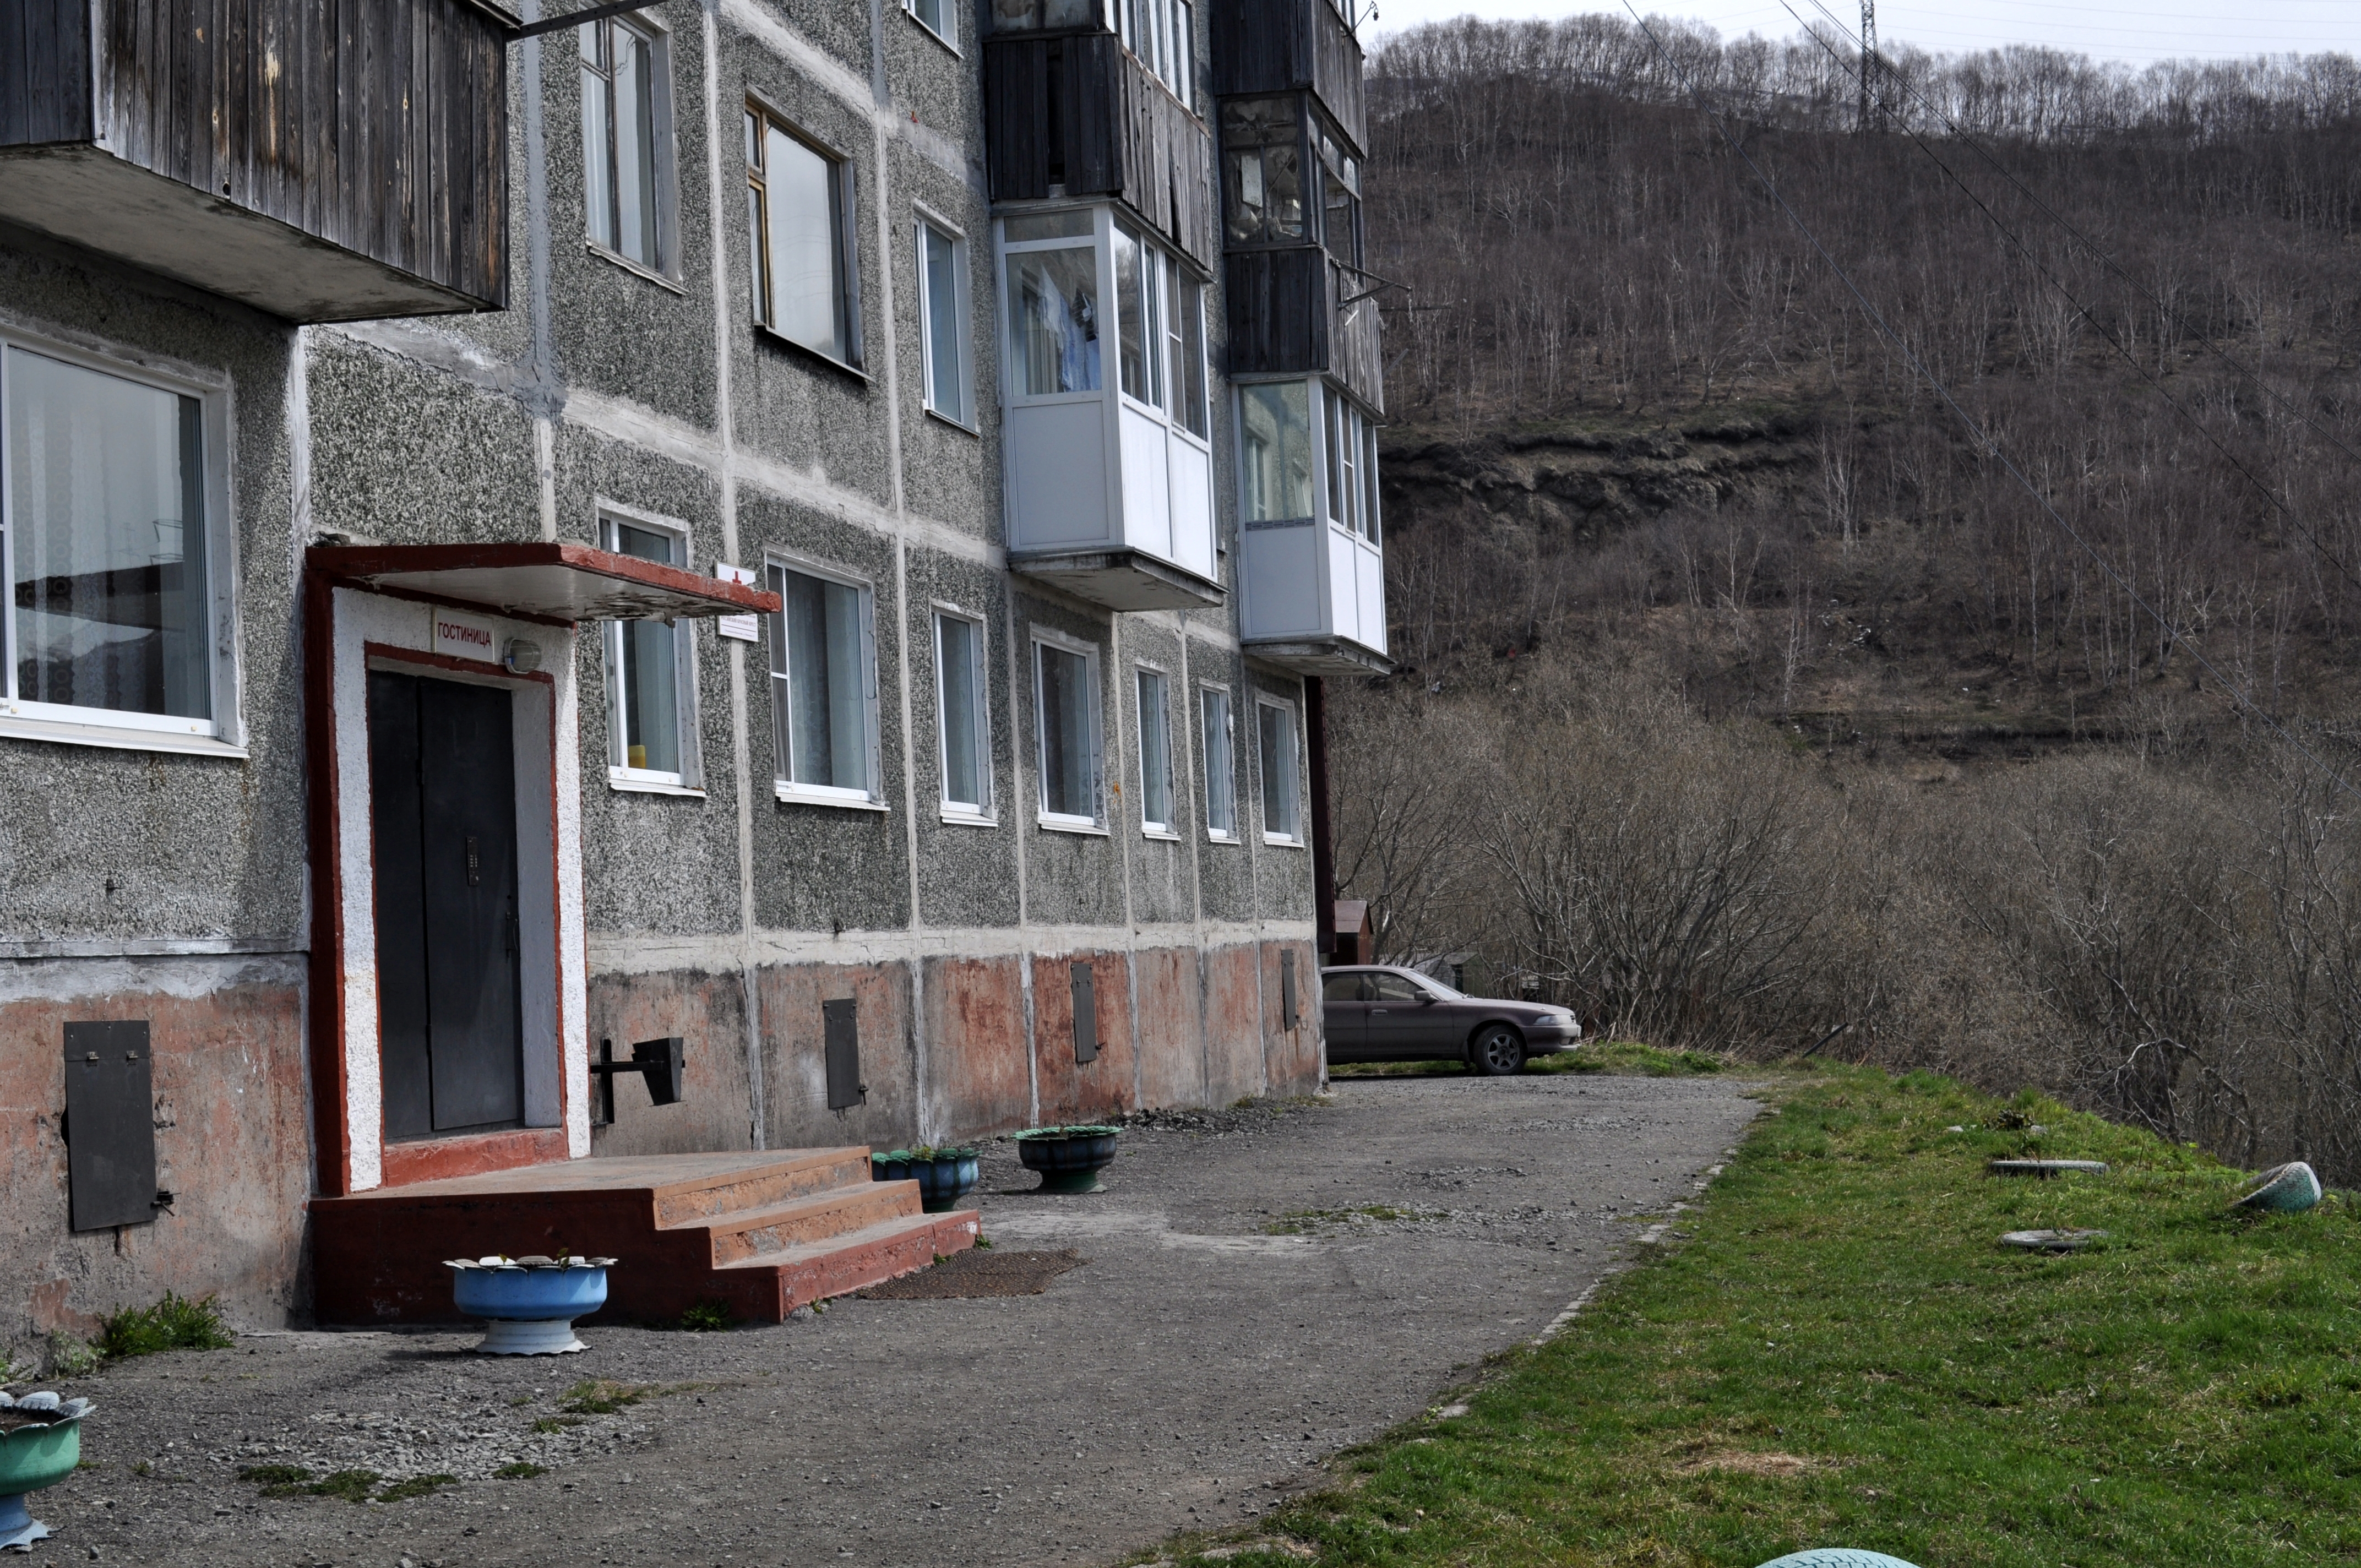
(707, 1316)
(352, 1485)
(173, 1323)
(522, 1470)
(603, 1397)
(1299, 1222)
(1837, 1353)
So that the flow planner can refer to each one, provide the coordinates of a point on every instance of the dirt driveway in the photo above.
(1262, 1288)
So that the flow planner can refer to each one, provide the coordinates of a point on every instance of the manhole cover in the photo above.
(967, 1274)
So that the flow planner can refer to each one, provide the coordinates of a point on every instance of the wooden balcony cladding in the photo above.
(1286, 46)
(1284, 320)
(1078, 112)
(317, 159)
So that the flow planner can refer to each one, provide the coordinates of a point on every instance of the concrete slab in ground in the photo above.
(1241, 1316)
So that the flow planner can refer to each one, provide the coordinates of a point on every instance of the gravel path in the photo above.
(1265, 1286)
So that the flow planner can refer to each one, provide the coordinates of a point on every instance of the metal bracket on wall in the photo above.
(1086, 1014)
(110, 1126)
(522, 31)
(659, 1061)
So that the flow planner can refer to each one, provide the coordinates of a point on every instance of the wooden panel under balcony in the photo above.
(1076, 114)
(1293, 311)
(317, 159)
(1287, 46)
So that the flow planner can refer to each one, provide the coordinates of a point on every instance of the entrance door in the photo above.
(442, 808)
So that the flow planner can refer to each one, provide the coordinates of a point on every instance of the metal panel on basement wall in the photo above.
(1086, 1014)
(840, 1024)
(110, 1124)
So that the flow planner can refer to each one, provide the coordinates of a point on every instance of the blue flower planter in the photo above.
(1069, 1159)
(529, 1308)
(943, 1178)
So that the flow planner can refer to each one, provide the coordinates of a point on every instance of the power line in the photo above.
(1981, 438)
(2086, 314)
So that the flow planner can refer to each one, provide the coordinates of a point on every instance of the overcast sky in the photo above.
(2121, 30)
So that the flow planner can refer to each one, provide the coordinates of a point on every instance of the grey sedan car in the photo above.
(1378, 1013)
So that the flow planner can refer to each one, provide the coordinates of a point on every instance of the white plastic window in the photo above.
(1281, 764)
(962, 715)
(652, 740)
(1054, 311)
(1221, 772)
(1066, 699)
(942, 306)
(1156, 811)
(940, 17)
(110, 512)
(823, 687)
(1275, 451)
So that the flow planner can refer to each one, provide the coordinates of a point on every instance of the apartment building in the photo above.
(796, 541)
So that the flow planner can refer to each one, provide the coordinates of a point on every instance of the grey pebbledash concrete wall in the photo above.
(728, 918)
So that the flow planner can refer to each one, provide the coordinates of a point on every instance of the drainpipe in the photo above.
(1324, 856)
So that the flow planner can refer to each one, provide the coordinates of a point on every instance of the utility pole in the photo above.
(1868, 65)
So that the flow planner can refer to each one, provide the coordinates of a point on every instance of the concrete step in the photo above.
(799, 1174)
(838, 1212)
(762, 1234)
(813, 1271)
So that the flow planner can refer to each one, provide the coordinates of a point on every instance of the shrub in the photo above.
(173, 1323)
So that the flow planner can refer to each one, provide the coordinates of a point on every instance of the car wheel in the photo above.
(1497, 1052)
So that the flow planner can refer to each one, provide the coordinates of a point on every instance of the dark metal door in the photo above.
(442, 796)
(1405, 1024)
(1084, 994)
(1344, 1016)
(110, 1125)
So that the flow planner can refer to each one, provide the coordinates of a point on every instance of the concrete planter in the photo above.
(944, 1176)
(2050, 1241)
(2288, 1189)
(529, 1304)
(41, 1443)
(1069, 1159)
(1837, 1557)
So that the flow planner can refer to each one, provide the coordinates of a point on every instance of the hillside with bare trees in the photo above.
(1929, 636)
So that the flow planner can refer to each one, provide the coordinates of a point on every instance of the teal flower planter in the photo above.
(944, 1176)
(1837, 1557)
(1069, 1159)
(41, 1443)
(2283, 1190)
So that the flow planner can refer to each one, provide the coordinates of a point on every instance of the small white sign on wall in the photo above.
(743, 628)
(461, 636)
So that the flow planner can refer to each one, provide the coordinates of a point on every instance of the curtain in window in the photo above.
(106, 497)
(807, 262)
(1221, 786)
(827, 693)
(963, 699)
(1275, 456)
(1068, 764)
(1154, 752)
(649, 676)
(1053, 306)
(1279, 768)
(946, 371)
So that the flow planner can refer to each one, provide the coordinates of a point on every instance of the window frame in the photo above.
(1165, 52)
(1293, 839)
(1098, 241)
(983, 813)
(844, 186)
(1249, 473)
(223, 733)
(1167, 826)
(1229, 756)
(1043, 637)
(1163, 279)
(621, 775)
(785, 787)
(926, 222)
(947, 35)
(664, 172)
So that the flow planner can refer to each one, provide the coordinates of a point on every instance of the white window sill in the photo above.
(625, 779)
(968, 818)
(1166, 834)
(628, 265)
(938, 414)
(795, 794)
(1081, 825)
(198, 741)
(919, 22)
(1280, 840)
(1213, 837)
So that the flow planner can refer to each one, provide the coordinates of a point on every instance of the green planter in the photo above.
(1069, 1159)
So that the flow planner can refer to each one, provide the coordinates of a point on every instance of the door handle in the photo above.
(1375, 1011)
